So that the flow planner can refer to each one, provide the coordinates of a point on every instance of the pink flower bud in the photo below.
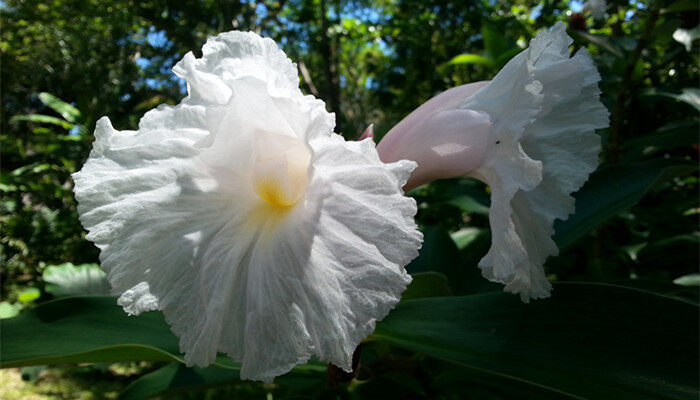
(368, 133)
(443, 139)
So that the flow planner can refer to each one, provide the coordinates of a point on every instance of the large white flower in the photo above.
(256, 230)
(529, 134)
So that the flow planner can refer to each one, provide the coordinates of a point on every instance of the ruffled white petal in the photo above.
(269, 277)
(545, 108)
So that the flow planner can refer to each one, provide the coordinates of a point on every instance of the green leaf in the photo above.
(28, 295)
(43, 119)
(681, 5)
(390, 386)
(470, 59)
(175, 378)
(70, 280)
(91, 329)
(587, 341)
(506, 56)
(613, 189)
(466, 236)
(426, 284)
(439, 253)
(469, 195)
(495, 43)
(671, 136)
(451, 384)
(67, 111)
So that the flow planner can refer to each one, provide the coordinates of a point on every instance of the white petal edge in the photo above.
(545, 108)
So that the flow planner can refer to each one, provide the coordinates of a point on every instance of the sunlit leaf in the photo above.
(470, 59)
(43, 119)
(9, 310)
(70, 280)
(28, 295)
(67, 111)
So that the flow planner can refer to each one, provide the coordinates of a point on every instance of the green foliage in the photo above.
(551, 346)
(67, 63)
(613, 189)
(70, 280)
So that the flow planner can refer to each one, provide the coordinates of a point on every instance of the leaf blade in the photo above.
(557, 343)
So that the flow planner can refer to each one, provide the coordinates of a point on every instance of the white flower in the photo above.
(596, 7)
(529, 134)
(686, 37)
(256, 230)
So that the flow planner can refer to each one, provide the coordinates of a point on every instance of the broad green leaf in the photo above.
(67, 111)
(470, 59)
(587, 341)
(613, 189)
(452, 384)
(426, 284)
(555, 344)
(671, 136)
(43, 119)
(90, 329)
(688, 280)
(70, 280)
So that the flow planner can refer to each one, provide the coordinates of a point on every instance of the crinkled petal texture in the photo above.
(256, 230)
(545, 107)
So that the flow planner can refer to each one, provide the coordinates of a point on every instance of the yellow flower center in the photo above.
(281, 165)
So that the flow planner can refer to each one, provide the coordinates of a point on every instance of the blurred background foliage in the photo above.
(66, 63)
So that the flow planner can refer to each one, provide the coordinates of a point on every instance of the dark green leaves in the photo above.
(427, 284)
(177, 378)
(613, 189)
(590, 341)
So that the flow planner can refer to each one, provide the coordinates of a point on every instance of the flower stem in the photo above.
(336, 376)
